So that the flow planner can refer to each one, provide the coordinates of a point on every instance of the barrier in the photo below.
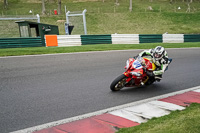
(125, 38)
(173, 38)
(150, 38)
(192, 38)
(20, 42)
(96, 39)
(51, 40)
(78, 40)
(69, 40)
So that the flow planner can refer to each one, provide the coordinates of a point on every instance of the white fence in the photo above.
(75, 40)
(173, 38)
(125, 38)
(32, 17)
(69, 40)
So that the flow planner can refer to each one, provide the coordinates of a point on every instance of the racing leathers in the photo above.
(161, 64)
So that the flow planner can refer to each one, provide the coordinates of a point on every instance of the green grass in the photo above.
(85, 48)
(186, 121)
(109, 18)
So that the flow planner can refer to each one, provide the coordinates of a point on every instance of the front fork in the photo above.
(128, 80)
(133, 80)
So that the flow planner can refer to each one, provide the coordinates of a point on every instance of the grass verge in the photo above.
(186, 121)
(109, 17)
(86, 48)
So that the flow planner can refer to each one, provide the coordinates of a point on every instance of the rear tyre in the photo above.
(118, 83)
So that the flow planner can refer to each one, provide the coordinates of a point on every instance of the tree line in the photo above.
(43, 5)
(59, 4)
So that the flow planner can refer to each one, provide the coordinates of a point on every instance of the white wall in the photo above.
(173, 38)
(69, 40)
(125, 38)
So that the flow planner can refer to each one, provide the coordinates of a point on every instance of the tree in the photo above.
(130, 7)
(5, 4)
(43, 7)
(59, 7)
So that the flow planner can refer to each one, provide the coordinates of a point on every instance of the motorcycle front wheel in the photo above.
(118, 83)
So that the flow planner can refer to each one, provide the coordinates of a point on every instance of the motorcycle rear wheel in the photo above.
(118, 83)
(150, 81)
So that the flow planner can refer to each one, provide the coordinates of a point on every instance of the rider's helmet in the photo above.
(158, 52)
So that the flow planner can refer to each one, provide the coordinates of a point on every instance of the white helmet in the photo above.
(159, 52)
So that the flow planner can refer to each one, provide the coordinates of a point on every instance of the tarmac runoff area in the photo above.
(128, 115)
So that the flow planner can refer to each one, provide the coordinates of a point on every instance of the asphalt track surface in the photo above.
(40, 89)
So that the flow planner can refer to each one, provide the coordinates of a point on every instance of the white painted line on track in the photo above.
(90, 52)
(55, 123)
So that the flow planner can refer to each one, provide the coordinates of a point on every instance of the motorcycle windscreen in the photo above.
(150, 65)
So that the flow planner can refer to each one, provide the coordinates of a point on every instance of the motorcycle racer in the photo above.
(160, 58)
(143, 69)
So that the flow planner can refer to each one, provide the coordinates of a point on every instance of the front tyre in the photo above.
(118, 83)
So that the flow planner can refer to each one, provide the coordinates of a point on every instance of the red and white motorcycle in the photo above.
(136, 73)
